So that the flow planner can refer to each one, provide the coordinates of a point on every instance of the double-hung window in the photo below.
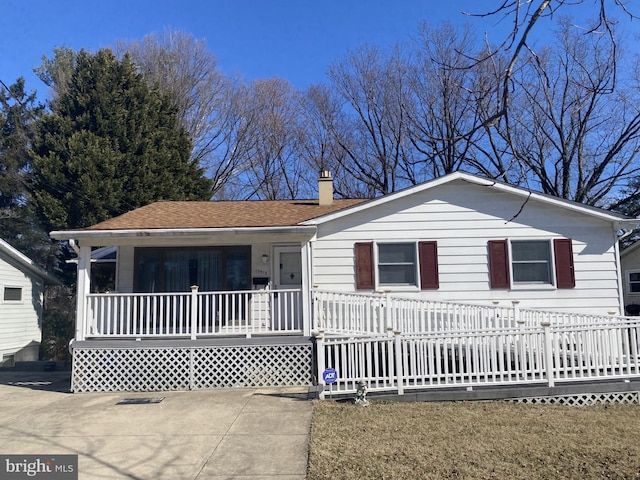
(398, 264)
(531, 261)
(519, 263)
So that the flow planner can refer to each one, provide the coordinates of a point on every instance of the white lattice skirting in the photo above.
(583, 399)
(190, 368)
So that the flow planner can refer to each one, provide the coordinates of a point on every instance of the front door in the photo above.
(288, 276)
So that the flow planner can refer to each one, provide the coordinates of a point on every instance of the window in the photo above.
(634, 281)
(12, 294)
(397, 264)
(176, 269)
(531, 262)
(410, 264)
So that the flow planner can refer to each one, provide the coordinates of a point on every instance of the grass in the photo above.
(473, 440)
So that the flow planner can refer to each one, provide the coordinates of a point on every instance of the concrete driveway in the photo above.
(215, 434)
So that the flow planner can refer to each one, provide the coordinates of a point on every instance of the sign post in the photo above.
(329, 376)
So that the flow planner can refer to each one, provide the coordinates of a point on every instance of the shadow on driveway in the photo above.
(46, 381)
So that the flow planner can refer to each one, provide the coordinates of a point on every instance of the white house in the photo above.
(630, 263)
(194, 276)
(22, 288)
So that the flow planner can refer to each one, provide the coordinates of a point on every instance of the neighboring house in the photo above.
(258, 266)
(22, 288)
(630, 261)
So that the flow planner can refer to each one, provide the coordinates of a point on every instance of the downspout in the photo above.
(621, 280)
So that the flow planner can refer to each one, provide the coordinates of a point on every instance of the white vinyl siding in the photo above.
(462, 218)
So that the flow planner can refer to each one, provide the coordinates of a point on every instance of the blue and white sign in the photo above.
(329, 376)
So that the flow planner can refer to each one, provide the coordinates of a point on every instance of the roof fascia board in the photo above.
(181, 232)
(591, 211)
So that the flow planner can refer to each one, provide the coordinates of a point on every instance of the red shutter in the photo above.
(563, 256)
(428, 253)
(364, 266)
(498, 263)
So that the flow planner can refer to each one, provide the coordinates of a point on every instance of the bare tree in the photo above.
(273, 168)
(322, 116)
(56, 72)
(207, 102)
(446, 93)
(525, 17)
(374, 87)
(573, 129)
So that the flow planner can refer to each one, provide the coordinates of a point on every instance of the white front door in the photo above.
(288, 276)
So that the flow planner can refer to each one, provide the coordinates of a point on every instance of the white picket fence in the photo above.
(396, 344)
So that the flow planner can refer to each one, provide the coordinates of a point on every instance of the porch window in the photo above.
(176, 269)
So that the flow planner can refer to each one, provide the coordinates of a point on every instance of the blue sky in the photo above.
(293, 39)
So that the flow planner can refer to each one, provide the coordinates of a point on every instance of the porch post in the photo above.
(516, 312)
(305, 258)
(82, 290)
(193, 320)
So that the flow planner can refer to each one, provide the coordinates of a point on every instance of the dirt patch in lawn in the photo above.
(473, 440)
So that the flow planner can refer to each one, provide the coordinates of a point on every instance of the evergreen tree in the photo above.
(110, 144)
(18, 114)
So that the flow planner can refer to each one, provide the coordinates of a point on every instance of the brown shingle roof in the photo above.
(178, 215)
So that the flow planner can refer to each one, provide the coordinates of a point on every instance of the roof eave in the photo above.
(180, 232)
(27, 263)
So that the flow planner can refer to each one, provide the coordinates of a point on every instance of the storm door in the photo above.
(288, 276)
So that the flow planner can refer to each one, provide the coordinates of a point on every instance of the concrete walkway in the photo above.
(256, 434)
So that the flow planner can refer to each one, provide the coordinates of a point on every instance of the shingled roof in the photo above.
(236, 214)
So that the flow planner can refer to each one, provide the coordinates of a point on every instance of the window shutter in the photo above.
(563, 256)
(364, 266)
(428, 254)
(498, 263)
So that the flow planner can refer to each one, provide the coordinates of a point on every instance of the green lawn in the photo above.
(473, 440)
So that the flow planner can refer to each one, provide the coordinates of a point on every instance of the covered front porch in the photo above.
(196, 286)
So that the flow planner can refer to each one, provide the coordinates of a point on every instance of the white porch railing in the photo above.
(194, 314)
(374, 314)
(545, 354)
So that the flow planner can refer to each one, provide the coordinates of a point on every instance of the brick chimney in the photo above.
(325, 188)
